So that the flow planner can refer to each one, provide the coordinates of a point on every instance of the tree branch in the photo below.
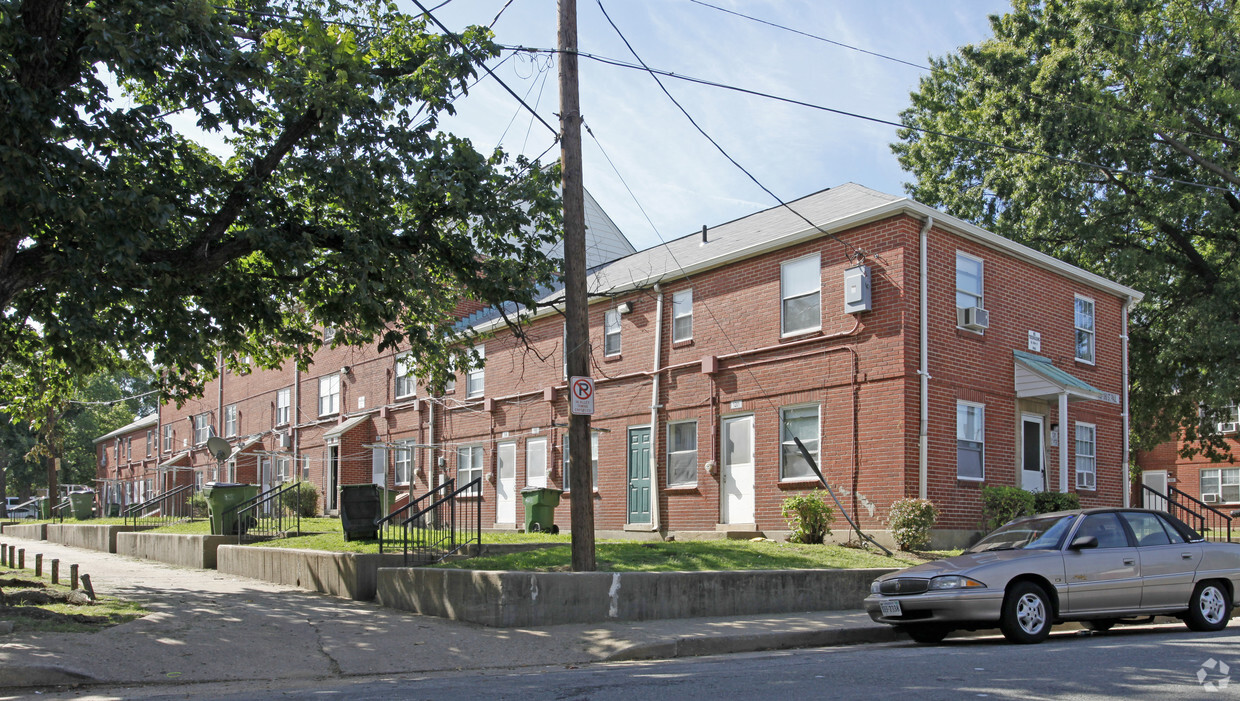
(1198, 158)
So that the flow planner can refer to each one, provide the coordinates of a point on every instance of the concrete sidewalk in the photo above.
(207, 626)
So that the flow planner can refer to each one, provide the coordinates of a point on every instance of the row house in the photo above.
(912, 353)
(1196, 482)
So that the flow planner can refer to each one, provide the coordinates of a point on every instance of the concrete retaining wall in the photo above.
(102, 538)
(548, 598)
(348, 575)
(186, 550)
(30, 531)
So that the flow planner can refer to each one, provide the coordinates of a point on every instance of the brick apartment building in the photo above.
(1214, 484)
(1001, 366)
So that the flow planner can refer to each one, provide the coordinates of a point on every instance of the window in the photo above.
(536, 462)
(1084, 329)
(168, 436)
(129, 448)
(1086, 456)
(284, 405)
(230, 420)
(403, 456)
(198, 478)
(970, 441)
(468, 466)
(230, 472)
(682, 454)
(1150, 529)
(566, 483)
(1106, 528)
(800, 422)
(565, 347)
(1220, 485)
(150, 443)
(968, 281)
(611, 332)
(103, 457)
(800, 284)
(118, 450)
(475, 385)
(202, 427)
(449, 385)
(404, 381)
(329, 394)
(682, 315)
(283, 467)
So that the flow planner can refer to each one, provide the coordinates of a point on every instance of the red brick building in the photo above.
(1000, 365)
(1214, 484)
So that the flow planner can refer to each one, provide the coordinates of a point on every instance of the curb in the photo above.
(14, 675)
(692, 646)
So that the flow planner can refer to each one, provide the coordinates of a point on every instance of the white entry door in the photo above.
(738, 470)
(1032, 460)
(506, 483)
(1157, 481)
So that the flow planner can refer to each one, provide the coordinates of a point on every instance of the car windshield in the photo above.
(1029, 534)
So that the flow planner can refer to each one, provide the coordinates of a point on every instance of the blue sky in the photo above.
(677, 177)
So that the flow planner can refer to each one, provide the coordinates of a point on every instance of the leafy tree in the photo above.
(1104, 132)
(313, 190)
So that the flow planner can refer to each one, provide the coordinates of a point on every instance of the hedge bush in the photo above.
(1047, 502)
(1002, 504)
(911, 521)
(198, 505)
(306, 494)
(809, 517)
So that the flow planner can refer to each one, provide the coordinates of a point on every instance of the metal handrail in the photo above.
(58, 511)
(258, 510)
(172, 505)
(394, 519)
(1202, 519)
(444, 536)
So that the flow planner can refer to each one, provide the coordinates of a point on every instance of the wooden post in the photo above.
(38, 565)
(55, 571)
(73, 576)
(21, 559)
(4, 554)
(12, 556)
(90, 591)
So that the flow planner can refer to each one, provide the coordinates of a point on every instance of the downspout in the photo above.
(1123, 339)
(294, 423)
(923, 372)
(654, 405)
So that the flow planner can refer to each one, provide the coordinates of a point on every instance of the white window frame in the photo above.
(231, 424)
(785, 297)
(283, 467)
(473, 456)
(150, 443)
(405, 384)
(284, 406)
(1225, 479)
(535, 474)
(564, 480)
(980, 438)
(1091, 333)
(682, 315)
(979, 296)
(169, 436)
(671, 454)
(611, 332)
(787, 446)
(402, 459)
(329, 394)
(475, 380)
(1086, 461)
(202, 428)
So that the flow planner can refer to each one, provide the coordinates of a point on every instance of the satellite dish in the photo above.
(219, 448)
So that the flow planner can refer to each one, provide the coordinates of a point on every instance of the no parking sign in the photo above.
(581, 396)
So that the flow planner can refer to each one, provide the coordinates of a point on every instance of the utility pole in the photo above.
(575, 300)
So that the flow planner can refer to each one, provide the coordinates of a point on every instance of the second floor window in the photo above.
(476, 379)
(284, 406)
(202, 427)
(329, 394)
(404, 381)
(682, 315)
(168, 435)
(611, 332)
(968, 281)
(150, 443)
(1084, 329)
(800, 285)
(230, 421)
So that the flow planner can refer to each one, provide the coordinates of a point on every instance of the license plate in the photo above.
(890, 608)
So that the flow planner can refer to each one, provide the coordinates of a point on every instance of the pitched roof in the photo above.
(145, 422)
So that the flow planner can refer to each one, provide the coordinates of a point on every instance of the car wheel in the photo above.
(1026, 616)
(1100, 625)
(927, 633)
(1209, 608)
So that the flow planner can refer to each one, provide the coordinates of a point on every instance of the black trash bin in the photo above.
(359, 509)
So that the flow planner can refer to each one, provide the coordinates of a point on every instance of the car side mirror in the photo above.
(1084, 542)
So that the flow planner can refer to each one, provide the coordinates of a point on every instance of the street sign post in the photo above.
(581, 396)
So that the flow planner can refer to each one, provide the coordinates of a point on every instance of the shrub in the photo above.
(305, 497)
(198, 505)
(808, 516)
(911, 521)
(1002, 504)
(1046, 502)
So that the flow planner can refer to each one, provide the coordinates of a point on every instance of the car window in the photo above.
(1026, 534)
(1106, 528)
(1173, 533)
(1147, 529)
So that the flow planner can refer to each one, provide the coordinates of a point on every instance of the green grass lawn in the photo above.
(102, 613)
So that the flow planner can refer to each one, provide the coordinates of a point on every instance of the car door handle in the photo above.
(1186, 556)
(1130, 561)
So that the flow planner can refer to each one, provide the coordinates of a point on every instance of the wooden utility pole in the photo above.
(575, 301)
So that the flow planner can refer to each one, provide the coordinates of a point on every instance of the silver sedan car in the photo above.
(1096, 566)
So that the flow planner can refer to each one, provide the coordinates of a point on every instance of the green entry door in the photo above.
(639, 475)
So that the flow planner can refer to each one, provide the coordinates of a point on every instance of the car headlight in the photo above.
(876, 587)
(954, 581)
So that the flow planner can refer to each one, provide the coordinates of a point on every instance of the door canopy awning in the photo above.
(1037, 377)
(333, 434)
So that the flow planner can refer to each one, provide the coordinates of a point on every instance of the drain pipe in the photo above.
(654, 406)
(1123, 339)
(923, 437)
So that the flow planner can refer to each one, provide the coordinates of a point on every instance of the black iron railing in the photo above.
(59, 510)
(26, 510)
(172, 506)
(272, 514)
(1205, 519)
(445, 527)
(392, 532)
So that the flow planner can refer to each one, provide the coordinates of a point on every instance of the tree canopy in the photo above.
(1106, 133)
(191, 179)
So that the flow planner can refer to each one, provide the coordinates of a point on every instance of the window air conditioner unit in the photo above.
(974, 318)
(1209, 498)
(284, 440)
(1227, 427)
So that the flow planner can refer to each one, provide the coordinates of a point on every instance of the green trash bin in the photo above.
(359, 509)
(540, 503)
(222, 500)
(45, 508)
(83, 505)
